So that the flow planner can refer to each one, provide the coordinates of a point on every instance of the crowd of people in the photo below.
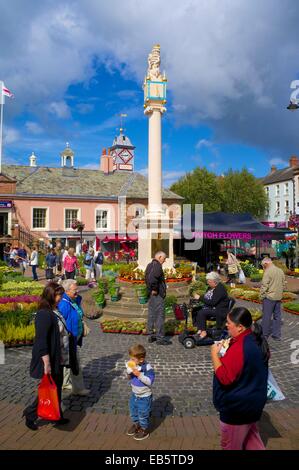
(61, 263)
(240, 369)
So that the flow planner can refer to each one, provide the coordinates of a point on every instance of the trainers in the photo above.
(152, 339)
(133, 429)
(141, 434)
(163, 342)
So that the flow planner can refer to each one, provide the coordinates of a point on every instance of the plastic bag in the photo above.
(242, 278)
(273, 391)
(48, 404)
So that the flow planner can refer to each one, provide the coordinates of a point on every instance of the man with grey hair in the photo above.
(273, 284)
(156, 286)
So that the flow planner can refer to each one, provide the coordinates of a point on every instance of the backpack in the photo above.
(100, 258)
(87, 261)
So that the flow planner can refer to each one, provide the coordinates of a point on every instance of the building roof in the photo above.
(277, 176)
(84, 183)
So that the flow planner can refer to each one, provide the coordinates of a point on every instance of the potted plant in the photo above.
(169, 302)
(114, 292)
(99, 298)
(142, 294)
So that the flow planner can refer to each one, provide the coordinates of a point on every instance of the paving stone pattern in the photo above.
(183, 385)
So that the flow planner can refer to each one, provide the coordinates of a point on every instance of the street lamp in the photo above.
(79, 226)
(293, 106)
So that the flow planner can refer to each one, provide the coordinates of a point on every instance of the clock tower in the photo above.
(122, 152)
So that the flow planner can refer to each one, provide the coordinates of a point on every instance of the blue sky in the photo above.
(75, 66)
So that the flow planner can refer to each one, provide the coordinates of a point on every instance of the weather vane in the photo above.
(122, 115)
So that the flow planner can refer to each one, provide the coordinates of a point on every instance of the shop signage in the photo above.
(5, 204)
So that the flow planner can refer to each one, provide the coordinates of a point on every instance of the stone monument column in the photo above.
(154, 232)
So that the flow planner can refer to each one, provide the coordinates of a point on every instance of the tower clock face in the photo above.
(125, 156)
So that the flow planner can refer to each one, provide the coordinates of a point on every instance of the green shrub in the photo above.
(81, 281)
(170, 300)
(292, 306)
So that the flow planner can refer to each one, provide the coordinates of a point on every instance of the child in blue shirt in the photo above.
(142, 377)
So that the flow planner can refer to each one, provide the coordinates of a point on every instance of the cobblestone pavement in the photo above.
(183, 385)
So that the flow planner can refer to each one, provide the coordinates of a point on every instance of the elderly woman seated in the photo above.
(216, 304)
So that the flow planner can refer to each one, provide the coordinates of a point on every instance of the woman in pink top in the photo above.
(70, 264)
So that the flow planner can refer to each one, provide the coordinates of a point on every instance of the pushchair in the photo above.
(190, 340)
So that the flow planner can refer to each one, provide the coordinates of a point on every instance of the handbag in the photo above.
(242, 278)
(233, 269)
(48, 403)
(73, 360)
(273, 391)
(86, 329)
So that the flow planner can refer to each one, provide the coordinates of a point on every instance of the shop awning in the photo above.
(117, 238)
(221, 225)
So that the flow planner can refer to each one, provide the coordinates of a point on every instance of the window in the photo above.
(70, 215)
(140, 211)
(287, 208)
(101, 219)
(277, 190)
(267, 190)
(39, 219)
(286, 189)
(277, 208)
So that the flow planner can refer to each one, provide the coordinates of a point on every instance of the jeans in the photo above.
(140, 410)
(34, 274)
(271, 308)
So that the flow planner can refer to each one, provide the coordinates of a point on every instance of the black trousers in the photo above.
(70, 275)
(31, 411)
(205, 314)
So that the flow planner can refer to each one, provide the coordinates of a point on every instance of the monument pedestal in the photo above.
(155, 234)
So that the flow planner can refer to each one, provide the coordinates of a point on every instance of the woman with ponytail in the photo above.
(240, 382)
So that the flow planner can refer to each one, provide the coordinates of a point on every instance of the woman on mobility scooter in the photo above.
(216, 305)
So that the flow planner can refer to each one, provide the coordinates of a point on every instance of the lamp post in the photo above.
(79, 226)
(293, 106)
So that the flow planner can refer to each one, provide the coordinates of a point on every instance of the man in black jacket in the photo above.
(155, 283)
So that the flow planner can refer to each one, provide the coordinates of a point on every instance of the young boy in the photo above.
(142, 377)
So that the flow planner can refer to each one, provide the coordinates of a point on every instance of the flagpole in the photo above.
(1, 123)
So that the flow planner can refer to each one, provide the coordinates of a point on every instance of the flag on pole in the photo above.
(6, 91)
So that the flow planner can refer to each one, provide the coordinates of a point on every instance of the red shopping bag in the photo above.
(48, 404)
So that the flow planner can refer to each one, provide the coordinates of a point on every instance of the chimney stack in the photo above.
(273, 168)
(106, 162)
(294, 161)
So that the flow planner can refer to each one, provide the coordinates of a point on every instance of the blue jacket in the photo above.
(70, 314)
(240, 383)
(51, 260)
(90, 257)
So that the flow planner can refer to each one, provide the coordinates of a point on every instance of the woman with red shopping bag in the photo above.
(49, 356)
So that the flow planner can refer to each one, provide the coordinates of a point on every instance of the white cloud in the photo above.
(85, 108)
(90, 166)
(60, 109)
(229, 64)
(143, 171)
(10, 135)
(277, 161)
(170, 177)
(34, 128)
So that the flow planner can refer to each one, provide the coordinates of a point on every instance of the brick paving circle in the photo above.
(183, 385)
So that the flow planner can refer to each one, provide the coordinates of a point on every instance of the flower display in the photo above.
(78, 225)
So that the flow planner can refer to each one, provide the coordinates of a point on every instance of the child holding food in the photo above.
(142, 377)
